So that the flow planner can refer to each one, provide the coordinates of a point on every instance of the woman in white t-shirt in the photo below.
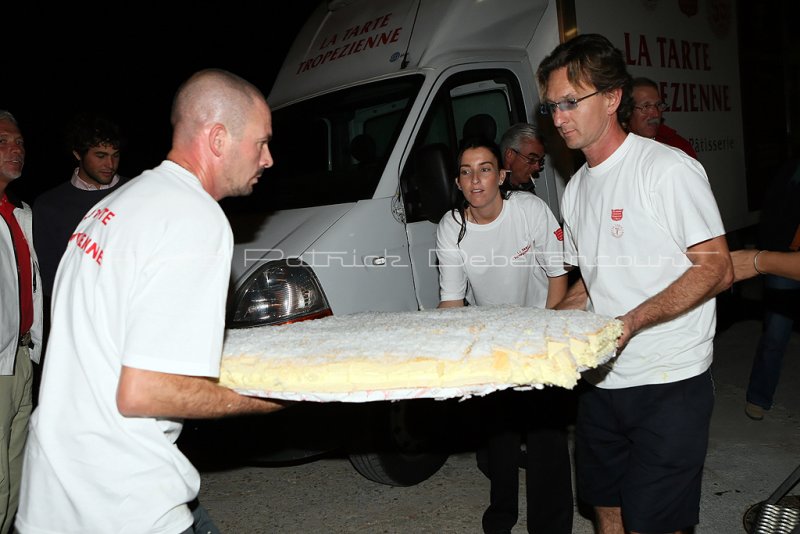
(495, 250)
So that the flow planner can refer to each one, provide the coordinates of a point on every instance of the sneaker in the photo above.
(754, 411)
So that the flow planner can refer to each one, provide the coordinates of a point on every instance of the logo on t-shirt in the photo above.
(559, 234)
(616, 214)
(521, 252)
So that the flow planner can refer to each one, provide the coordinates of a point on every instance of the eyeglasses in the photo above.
(647, 108)
(536, 159)
(569, 104)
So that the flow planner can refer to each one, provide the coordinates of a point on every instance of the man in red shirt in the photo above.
(20, 319)
(647, 117)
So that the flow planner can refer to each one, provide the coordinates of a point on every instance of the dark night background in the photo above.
(126, 61)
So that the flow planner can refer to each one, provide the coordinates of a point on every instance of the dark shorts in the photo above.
(643, 449)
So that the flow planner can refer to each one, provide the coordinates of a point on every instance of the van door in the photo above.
(486, 101)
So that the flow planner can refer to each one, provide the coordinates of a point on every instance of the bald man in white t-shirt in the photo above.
(138, 324)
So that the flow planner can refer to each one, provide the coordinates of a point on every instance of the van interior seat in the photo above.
(482, 126)
(435, 167)
(366, 172)
(363, 148)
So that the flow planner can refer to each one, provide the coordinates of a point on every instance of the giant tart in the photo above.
(469, 349)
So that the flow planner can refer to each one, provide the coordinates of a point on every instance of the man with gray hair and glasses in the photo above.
(20, 318)
(647, 116)
(523, 156)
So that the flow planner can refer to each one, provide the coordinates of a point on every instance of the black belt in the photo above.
(25, 339)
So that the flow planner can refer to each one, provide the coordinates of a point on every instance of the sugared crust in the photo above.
(448, 348)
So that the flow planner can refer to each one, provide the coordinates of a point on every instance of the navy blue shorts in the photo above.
(643, 449)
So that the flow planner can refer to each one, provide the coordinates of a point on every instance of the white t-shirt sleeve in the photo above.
(452, 272)
(547, 239)
(177, 313)
(682, 198)
(569, 246)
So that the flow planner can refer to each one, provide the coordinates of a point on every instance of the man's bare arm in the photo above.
(556, 290)
(451, 303)
(142, 393)
(576, 298)
(786, 264)
(711, 273)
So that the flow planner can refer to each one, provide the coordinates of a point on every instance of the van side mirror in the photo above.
(435, 180)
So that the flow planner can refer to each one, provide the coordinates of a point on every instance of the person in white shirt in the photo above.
(497, 249)
(641, 223)
(137, 330)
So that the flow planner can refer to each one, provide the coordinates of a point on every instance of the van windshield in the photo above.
(331, 149)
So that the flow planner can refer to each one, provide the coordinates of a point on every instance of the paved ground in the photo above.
(747, 460)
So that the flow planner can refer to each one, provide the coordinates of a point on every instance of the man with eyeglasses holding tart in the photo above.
(641, 223)
(647, 116)
(523, 156)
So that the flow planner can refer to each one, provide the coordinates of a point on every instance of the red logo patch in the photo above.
(616, 215)
(559, 234)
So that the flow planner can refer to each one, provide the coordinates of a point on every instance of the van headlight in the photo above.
(280, 291)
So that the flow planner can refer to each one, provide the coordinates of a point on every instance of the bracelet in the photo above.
(755, 261)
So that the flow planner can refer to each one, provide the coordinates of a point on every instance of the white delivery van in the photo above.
(368, 110)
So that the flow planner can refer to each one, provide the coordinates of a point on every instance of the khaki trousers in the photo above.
(16, 405)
